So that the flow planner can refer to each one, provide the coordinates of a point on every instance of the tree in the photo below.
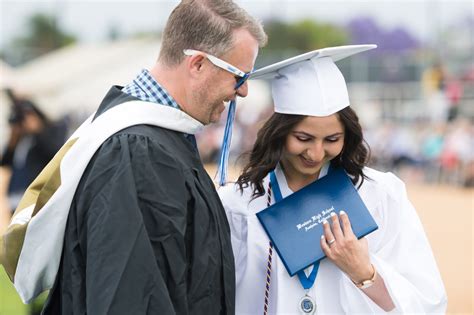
(286, 40)
(43, 35)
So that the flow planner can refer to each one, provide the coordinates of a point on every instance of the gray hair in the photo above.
(206, 25)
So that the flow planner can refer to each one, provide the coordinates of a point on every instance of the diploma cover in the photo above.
(295, 224)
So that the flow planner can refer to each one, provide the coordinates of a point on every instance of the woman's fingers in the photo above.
(337, 231)
(327, 239)
(342, 247)
(346, 224)
(327, 231)
(325, 246)
(336, 227)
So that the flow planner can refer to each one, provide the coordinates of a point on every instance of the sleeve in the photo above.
(6, 159)
(135, 226)
(404, 259)
(232, 201)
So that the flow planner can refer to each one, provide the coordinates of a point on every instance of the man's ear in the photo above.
(195, 64)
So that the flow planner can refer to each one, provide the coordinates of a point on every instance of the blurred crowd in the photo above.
(438, 153)
(432, 142)
(438, 145)
(424, 151)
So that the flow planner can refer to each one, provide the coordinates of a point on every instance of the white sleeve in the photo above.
(403, 258)
(238, 227)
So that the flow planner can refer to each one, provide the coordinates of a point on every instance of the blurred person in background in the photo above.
(34, 140)
(457, 152)
(454, 93)
(431, 149)
(145, 231)
(312, 131)
(434, 85)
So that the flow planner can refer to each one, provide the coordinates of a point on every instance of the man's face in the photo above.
(219, 85)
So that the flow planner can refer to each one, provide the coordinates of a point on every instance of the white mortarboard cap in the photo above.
(310, 84)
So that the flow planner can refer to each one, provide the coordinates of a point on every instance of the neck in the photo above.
(296, 180)
(172, 80)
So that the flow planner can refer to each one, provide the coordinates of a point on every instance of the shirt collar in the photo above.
(281, 178)
(146, 88)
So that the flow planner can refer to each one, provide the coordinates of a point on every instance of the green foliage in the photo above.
(286, 40)
(10, 302)
(43, 35)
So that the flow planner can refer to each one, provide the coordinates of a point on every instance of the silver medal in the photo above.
(307, 305)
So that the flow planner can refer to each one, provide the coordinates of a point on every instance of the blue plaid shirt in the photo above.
(145, 87)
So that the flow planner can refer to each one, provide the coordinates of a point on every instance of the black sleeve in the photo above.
(134, 230)
(7, 157)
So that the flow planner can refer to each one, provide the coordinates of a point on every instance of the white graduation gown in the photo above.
(399, 250)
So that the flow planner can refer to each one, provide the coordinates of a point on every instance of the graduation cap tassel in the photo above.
(225, 149)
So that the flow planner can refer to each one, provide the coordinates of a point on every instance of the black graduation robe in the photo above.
(146, 233)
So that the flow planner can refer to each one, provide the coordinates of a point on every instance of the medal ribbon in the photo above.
(306, 282)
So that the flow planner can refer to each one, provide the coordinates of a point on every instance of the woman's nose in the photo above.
(316, 152)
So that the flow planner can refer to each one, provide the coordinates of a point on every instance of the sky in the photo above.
(91, 20)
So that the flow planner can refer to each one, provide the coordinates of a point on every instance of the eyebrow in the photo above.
(311, 136)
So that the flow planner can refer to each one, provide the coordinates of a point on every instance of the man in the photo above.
(146, 232)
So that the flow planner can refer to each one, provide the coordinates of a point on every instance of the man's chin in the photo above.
(216, 117)
(213, 120)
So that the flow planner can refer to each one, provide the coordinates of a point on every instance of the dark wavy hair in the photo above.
(271, 139)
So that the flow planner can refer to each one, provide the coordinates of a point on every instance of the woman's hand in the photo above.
(351, 255)
(343, 248)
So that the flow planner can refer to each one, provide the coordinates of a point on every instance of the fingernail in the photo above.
(325, 221)
(332, 214)
(322, 237)
(342, 212)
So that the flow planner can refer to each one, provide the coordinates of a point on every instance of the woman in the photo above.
(392, 269)
(34, 140)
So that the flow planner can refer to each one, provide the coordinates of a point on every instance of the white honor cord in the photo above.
(307, 304)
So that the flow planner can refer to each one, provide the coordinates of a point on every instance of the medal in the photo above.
(307, 305)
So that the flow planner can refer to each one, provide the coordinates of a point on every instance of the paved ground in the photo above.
(447, 215)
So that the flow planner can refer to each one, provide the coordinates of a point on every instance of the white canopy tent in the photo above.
(73, 80)
(77, 77)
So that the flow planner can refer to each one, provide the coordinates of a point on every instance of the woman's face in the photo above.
(312, 143)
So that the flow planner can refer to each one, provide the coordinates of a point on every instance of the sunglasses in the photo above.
(240, 76)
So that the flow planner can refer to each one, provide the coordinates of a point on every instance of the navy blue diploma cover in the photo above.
(295, 224)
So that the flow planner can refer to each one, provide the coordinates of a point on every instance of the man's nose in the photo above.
(243, 90)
